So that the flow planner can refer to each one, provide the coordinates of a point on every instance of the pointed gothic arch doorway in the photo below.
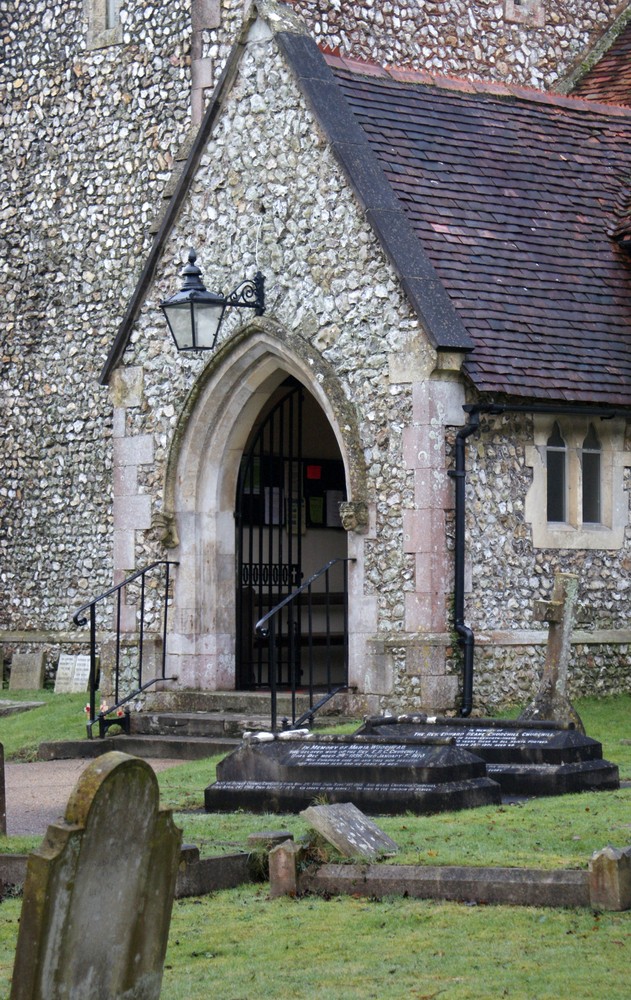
(291, 482)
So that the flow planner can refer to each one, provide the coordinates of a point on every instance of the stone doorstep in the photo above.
(207, 724)
(173, 747)
(242, 703)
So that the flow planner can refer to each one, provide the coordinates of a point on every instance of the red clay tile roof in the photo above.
(610, 79)
(513, 196)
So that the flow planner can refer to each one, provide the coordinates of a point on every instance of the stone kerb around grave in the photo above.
(99, 891)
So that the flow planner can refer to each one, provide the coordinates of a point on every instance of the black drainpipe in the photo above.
(465, 634)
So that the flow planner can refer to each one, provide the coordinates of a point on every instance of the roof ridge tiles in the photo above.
(408, 74)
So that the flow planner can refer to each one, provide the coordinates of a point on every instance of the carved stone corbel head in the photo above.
(354, 515)
(165, 529)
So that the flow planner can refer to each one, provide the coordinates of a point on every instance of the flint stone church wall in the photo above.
(90, 137)
(324, 276)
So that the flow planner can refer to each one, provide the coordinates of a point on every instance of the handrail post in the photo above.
(346, 622)
(164, 620)
(272, 672)
(81, 619)
(92, 666)
(142, 628)
(118, 643)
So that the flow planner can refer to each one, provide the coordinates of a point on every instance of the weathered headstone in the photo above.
(610, 879)
(283, 869)
(99, 891)
(551, 701)
(3, 798)
(27, 672)
(378, 775)
(81, 676)
(73, 673)
(525, 758)
(350, 832)
(64, 675)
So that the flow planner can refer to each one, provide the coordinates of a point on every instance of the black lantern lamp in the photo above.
(194, 315)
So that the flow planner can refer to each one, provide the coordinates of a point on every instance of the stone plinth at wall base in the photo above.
(508, 886)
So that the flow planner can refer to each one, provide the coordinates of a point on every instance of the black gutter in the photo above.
(465, 634)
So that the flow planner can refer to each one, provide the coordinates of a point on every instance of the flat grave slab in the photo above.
(9, 707)
(378, 775)
(533, 758)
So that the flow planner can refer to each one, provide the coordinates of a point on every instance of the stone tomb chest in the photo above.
(378, 775)
(533, 758)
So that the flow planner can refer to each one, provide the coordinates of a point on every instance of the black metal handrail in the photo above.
(297, 632)
(81, 619)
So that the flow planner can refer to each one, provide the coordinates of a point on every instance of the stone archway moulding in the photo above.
(224, 391)
(201, 482)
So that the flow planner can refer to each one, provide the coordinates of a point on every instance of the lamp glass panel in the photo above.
(180, 320)
(207, 320)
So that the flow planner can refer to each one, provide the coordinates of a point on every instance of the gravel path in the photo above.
(37, 793)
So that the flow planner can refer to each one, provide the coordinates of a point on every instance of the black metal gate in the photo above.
(269, 518)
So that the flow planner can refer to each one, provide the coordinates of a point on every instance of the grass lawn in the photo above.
(238, 945)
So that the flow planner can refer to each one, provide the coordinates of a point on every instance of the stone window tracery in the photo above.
(104, 23)
(577, 497)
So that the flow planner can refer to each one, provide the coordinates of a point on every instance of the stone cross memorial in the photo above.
(551, 701)
(99, 891)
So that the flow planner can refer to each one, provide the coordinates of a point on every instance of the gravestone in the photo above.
(99, 891)
(73, 673)
(65, 673)
(81, 677)
(3, 797)
(551, 701)
(350, 832)
(27, 672)
(525, 758)
(378, 775)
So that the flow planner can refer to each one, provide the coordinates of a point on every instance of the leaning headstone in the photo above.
(3, 798)
(27, 672)
(551, 701)
(350, 832)
(99, 891)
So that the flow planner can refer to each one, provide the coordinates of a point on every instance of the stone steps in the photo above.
(187, 725)
(165, 747)
(192, 724)
(244, 703)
